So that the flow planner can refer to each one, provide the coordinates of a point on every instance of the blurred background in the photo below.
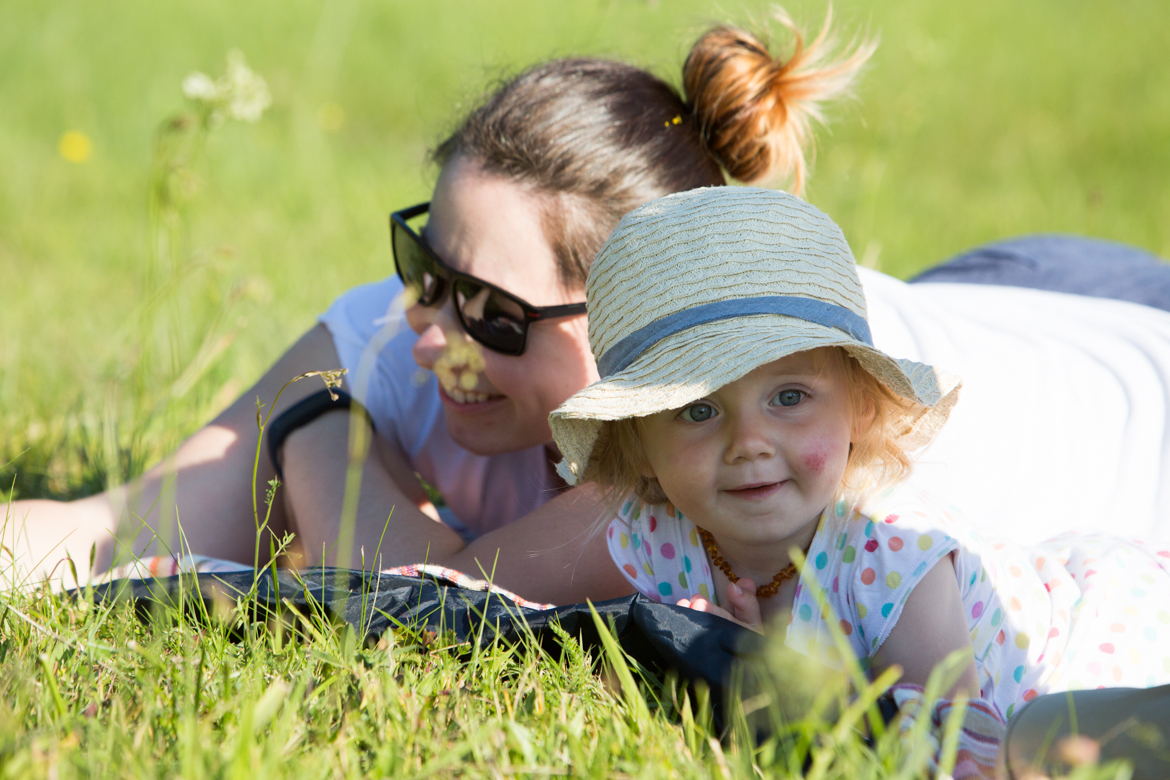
(150, 271)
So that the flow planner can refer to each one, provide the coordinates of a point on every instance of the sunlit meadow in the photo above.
(160, 246)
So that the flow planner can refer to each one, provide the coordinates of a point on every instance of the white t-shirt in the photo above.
(1063, 422)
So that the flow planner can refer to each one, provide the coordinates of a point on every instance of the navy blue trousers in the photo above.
(1068, 264)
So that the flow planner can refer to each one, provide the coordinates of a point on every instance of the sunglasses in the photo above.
(493, 317)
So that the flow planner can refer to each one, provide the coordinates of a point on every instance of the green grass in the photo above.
(166, 701)
(975, 121)
(124, 699)
(92, 691)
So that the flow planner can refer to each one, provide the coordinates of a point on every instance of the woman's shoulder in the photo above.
(373, 343)
(366, 309)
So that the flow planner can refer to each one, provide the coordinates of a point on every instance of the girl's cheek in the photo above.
(815, 461)
(820, 453)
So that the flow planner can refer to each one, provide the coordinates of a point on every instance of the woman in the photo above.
(530, 186)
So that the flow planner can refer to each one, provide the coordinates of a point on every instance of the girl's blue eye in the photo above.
(698, 413)
(788, 397)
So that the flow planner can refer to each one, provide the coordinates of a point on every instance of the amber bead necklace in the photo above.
(762, 592)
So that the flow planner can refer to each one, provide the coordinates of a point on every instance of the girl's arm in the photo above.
(933, 625)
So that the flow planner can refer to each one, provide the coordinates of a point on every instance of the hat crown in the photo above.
(713, 245)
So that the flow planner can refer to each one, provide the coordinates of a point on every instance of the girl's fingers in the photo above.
(745, 607)
(701, 604)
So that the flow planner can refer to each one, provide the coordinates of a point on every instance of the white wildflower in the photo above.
(199, 87)
(240, 93)
(246, 91)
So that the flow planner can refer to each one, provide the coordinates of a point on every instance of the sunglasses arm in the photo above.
(549, 312)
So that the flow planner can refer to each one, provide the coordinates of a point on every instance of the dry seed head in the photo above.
(332, 379)
(459, 366)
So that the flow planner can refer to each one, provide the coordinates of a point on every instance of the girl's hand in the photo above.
(745, 607)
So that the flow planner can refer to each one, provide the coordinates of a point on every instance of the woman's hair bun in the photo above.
(755, 111)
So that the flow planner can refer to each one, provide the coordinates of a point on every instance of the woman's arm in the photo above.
(391, 500)
(556, 554)
(205, 486)
(552, 554)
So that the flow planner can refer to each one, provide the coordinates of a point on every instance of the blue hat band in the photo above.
(619, 357)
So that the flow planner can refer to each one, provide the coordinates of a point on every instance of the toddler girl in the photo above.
(743, 414)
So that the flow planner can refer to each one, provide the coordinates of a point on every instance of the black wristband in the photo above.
(301, 414)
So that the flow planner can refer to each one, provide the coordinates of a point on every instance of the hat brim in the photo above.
(693, 363)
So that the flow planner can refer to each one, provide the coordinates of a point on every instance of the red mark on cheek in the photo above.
(815, 461)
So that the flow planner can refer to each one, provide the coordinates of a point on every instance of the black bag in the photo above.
(659, 637)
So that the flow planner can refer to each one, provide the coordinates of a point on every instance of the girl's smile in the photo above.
(756, 491)
(757, 461)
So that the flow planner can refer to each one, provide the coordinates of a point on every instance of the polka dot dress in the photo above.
(659, 552)
(1077, 611)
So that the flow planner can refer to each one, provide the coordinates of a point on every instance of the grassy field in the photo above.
(974, 122)
(91, 692)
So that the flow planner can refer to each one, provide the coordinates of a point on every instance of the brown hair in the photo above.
(877, 455)
(600, 138)
(755, 112)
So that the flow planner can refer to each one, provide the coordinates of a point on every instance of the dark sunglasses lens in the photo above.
(415, 267)
(490, 317)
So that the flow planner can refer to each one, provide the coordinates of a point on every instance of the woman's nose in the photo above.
(435, 330)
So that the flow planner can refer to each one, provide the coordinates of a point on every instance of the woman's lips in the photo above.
(756, 490)
(465, 399)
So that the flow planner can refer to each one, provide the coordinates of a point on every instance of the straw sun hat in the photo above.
(695, 290)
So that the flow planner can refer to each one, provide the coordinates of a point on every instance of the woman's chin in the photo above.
(489, 432)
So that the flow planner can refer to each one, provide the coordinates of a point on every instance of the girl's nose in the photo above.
(747, 439)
